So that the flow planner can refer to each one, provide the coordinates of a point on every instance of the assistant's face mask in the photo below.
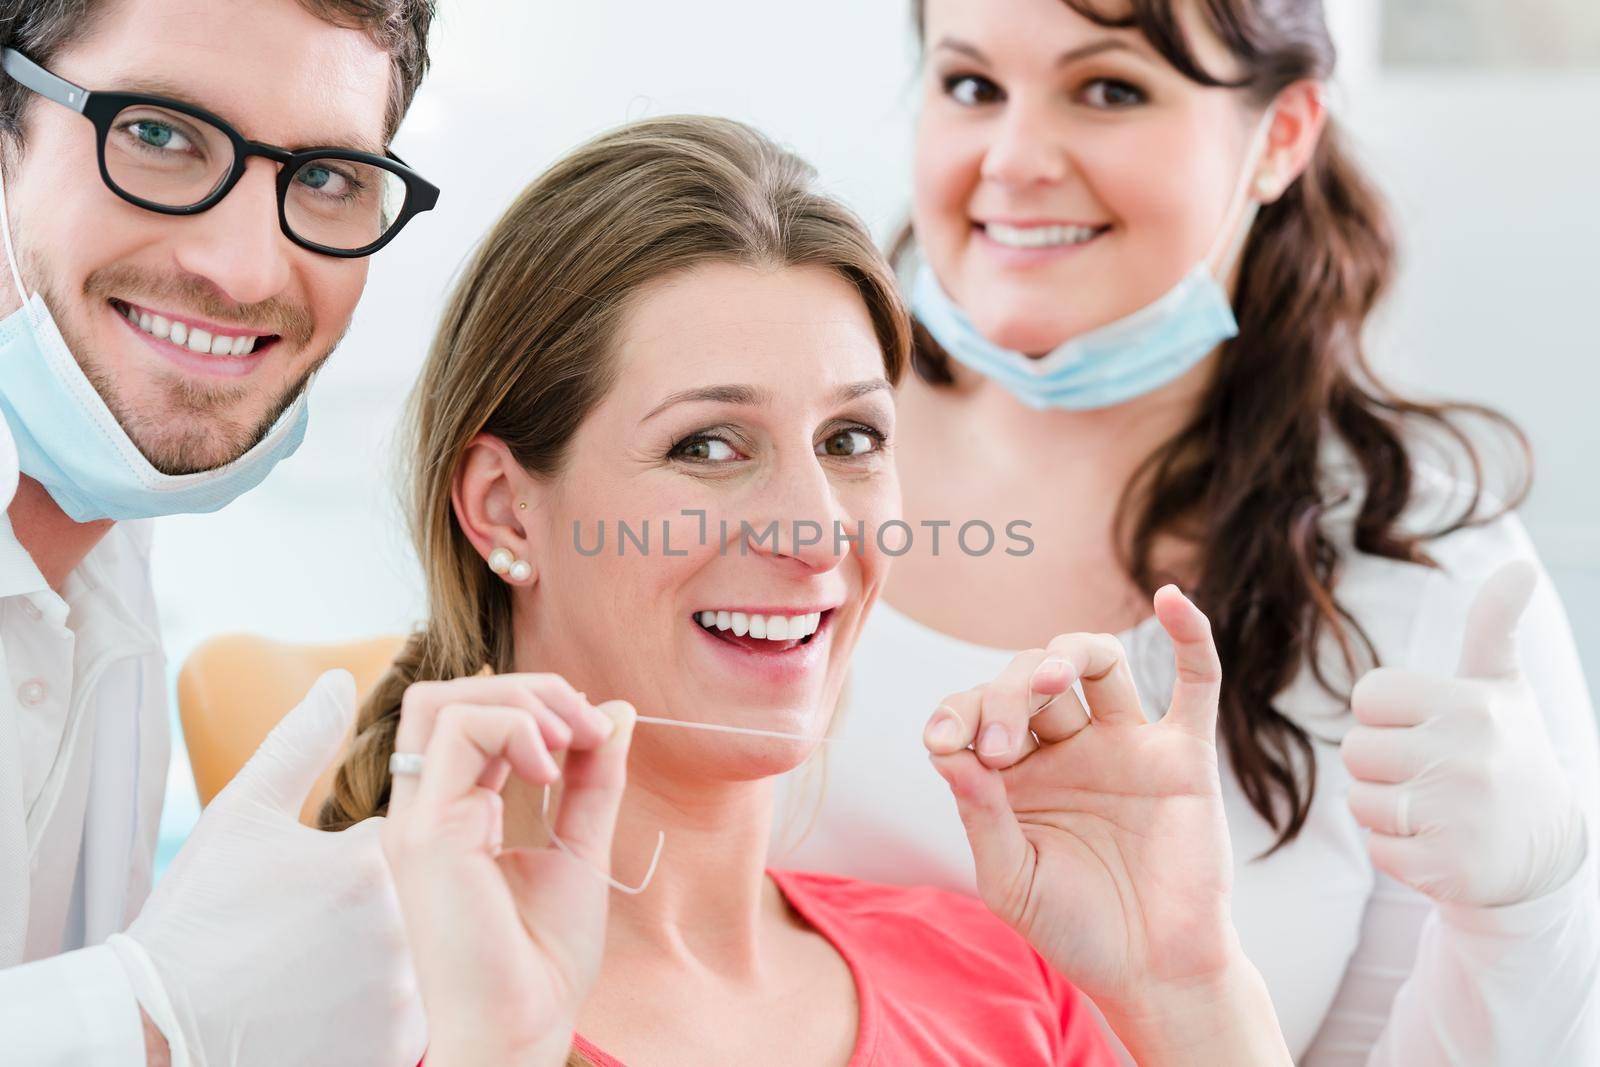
(71, 443)
(1122, 360)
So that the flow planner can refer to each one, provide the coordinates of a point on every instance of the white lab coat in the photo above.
(83, 760)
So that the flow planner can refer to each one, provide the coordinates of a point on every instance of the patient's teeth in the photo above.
(758, 626)
(144, 321)
(816, 621)
(160, 326)
(180, 334)
(222, 346)
(741, 623)
(199, 340)
(724, 620)
(707, 618)
(777, 628)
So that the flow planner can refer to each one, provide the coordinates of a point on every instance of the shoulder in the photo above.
(1466, 532)
(1412, 613)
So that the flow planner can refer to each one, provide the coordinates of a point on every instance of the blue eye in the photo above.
(157, 135)
(153, 134)
(972, 90)
(315, 177)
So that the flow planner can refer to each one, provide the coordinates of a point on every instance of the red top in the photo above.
(940, 980)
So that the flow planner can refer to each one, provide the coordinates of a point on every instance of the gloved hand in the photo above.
(269, 942)
(1455, 777)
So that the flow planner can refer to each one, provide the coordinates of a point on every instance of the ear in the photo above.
(1297, 125)
(494, 500)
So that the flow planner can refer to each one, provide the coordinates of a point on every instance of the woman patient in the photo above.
(671, 329)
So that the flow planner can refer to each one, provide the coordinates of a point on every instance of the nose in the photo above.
(238, 245)
(798, 519)
(1026, 149)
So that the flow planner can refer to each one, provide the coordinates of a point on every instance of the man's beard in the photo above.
(185, 427)
(189, 433)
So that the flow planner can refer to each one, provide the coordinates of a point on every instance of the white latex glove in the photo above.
(268, 942)
(1455, 777)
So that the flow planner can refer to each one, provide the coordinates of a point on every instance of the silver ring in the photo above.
(1402, 813)
(405, 763)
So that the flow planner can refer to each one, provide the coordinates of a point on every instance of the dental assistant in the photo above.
(1142, 266)
(172, 282)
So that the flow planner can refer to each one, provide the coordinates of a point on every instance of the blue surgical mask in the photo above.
(71, 443)
(1112, 364)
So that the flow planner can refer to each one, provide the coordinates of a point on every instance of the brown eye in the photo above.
(849, 443)
(704, 450)
(970, 90)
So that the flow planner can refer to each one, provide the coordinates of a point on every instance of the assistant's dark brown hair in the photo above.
(40, 29)
(1244, 483)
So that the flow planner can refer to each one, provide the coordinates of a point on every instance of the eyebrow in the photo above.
(752, 396)
(1065, 59)
(155, 85)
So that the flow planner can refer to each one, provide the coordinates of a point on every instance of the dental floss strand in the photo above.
(661, 835)
(632, 891)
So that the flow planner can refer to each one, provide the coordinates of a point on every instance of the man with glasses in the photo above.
(190, 194)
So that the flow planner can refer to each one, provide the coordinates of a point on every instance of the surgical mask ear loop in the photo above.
(1234, 242)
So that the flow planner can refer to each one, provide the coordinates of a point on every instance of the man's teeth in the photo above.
(195, 339)
(767, 627)
(1039, 236)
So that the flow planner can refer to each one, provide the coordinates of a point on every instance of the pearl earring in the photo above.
(501, 561)
(1267, 187)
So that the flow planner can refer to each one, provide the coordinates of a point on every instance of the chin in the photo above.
(702, 756)
(1031, 331)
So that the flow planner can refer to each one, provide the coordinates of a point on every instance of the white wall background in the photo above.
(1496, 179)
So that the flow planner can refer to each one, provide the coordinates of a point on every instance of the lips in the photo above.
(202, 340)
(763, 633)
(1032, 236)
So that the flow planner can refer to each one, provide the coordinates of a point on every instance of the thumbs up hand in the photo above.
(268, 942)
(1456, 778)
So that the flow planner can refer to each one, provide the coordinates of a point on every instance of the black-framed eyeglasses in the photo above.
(167, 156)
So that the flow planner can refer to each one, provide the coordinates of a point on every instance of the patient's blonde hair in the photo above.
(523, 353)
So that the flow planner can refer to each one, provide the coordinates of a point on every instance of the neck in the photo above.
(1114, 440)
(56, 543)
(710, 900)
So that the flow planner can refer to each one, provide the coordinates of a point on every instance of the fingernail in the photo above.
(1051, 670)
(996, 740)
(945, 729)
(617, 713)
